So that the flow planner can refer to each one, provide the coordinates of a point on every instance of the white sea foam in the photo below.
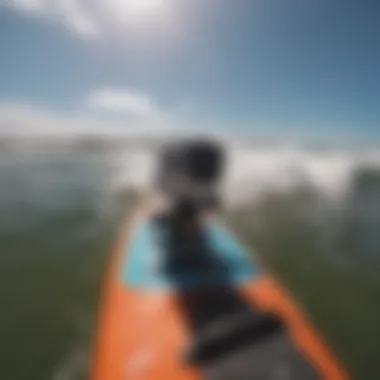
(252, 172)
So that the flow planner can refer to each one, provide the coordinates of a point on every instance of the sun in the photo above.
(134, 7)
(142, 16)
(145, 5)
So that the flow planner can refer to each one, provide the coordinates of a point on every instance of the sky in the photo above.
(276, 67)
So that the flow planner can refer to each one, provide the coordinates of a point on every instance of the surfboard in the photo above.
(203, 309)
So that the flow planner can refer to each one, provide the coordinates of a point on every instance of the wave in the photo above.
(335, 191)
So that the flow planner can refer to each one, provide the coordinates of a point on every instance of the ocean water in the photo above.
(311, 216)
(57, 223)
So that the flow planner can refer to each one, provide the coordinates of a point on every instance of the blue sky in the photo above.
(247, 66)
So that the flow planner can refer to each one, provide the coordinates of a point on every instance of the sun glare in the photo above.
(142, 16)
(146, 4)
(139, 6)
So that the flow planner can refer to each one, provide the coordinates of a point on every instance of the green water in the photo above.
(344, 305)
(57, 224)
(58, 220)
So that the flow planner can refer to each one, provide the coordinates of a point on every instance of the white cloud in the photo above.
(90, 18)
(28, 6)
(21, 119)
(106, 110)
(122, 101)
(75, 15)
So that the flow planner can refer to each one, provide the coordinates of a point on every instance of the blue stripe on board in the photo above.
(220, 261)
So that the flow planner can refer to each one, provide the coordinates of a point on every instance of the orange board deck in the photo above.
(162, 308)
